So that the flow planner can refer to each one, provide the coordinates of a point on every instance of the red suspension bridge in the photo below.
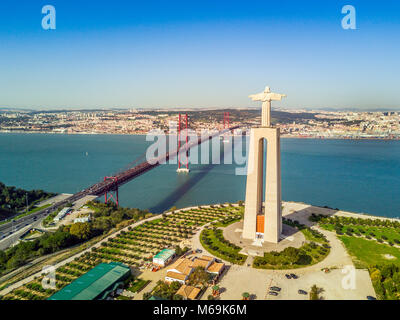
(110, 184)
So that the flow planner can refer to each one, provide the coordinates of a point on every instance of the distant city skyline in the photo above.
(184, 54)
(172, 108)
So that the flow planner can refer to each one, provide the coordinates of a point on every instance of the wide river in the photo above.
(359, 176)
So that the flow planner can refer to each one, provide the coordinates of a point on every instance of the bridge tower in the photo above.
(183, 167)
(225, 138)
(226, 120)
(112, 191)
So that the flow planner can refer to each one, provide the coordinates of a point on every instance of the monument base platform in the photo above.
(290, 237)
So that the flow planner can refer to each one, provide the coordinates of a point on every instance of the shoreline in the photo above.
(144, 134)
(298, 206)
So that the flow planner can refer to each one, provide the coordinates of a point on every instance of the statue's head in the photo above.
(267, 90)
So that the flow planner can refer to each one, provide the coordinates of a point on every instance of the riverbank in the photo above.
(301, 211)
(284, 136)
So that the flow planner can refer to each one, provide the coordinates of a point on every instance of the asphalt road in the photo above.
(11, 231)
(14, 230)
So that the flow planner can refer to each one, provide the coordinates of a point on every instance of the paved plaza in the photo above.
(291, 237)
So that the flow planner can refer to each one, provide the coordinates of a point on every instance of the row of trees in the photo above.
(106, 217)
(385, 277)
(13, 200)
(165, 291)
(386, 281)
(48, 243)
(354, 221)
(308, 254)
(220, 247)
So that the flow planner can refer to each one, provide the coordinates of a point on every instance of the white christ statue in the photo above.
(266, 97)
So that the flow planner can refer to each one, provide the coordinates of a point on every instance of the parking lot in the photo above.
(257, 282)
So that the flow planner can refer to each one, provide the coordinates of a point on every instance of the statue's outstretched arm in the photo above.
(277, 96)
(257, 97)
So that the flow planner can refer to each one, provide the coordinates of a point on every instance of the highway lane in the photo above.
(13, 238)
(11, 231)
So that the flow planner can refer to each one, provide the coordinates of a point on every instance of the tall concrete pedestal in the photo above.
(254, 187)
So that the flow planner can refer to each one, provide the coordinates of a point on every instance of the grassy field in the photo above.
(369, 252)
(311, 235)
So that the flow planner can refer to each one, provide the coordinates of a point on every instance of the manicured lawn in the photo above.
(313, 251)
(369, 252)
(215, 246)
(292, 258)
(390, 233)
(138, 285)
(313, 236)
(227, 222)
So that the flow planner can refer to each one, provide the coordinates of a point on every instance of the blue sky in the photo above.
(198, 54)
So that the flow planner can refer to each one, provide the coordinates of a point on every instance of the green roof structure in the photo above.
(155, 298)
(96, 284)
(164, 254)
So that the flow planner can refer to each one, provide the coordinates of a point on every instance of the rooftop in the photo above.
(95, 284)
(184, 266)
(200, 263)
(176, 275)
(188, 292)
(216, 267)
(165, 254)
(208, 258)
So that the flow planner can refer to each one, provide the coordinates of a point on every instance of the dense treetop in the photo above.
(13, 199)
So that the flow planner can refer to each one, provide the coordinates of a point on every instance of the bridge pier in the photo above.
(183, 167)
(110, 191)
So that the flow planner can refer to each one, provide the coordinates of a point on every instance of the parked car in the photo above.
(293, 276)
(371, 298)
(273, 293)
(288, 276)
(302, 292)
(275, 289)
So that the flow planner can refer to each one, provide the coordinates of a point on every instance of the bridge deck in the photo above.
(122, 177)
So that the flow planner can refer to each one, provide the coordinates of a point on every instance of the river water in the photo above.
(353, 175)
